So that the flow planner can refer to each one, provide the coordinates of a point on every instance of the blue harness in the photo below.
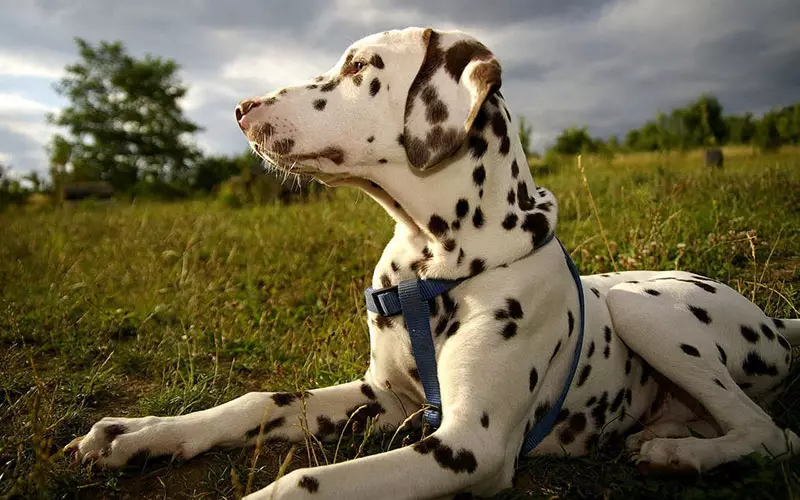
(410, 297)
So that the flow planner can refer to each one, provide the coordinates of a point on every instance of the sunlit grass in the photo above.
(169, 308)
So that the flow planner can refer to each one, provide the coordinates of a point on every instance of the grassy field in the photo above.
(135, 309)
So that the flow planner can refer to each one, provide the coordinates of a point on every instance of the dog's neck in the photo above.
(479, 210)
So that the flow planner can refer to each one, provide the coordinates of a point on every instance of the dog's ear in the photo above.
(456, 76)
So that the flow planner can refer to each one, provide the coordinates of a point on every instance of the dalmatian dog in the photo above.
(415, 118)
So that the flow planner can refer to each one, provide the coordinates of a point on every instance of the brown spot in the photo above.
(461, 54)
(358, 79)
(320, 104)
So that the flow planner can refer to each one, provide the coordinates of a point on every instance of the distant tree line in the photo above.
(701, 123)
(124, 128)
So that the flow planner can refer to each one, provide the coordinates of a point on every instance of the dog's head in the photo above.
(403, 98)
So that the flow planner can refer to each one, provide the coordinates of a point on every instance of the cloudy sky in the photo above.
(608, 64)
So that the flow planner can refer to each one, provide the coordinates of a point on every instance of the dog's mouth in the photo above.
(300, 164)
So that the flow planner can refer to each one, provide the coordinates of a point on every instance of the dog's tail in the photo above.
(790, 329)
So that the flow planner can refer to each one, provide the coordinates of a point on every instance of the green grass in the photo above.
(128, 310)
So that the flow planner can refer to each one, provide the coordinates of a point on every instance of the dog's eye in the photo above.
(359, 65)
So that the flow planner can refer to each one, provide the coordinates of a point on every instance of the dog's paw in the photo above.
(112, 442)
(668, 455)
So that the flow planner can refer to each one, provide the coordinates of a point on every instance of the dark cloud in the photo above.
(608, 64)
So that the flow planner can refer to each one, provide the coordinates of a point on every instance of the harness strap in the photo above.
(410, 297)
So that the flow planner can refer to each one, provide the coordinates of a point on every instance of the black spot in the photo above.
(591, 350)
(113, 431)
(646, 369)
(577, 422)
(537, 225)
(479, 123)
(533, 379)
(367, 391)
(784, 343)
(596, 292)
(453, 328)
(477, 218)
(386, 282)
(654, 293)
(320, 104)
(330, 85)
(462, 208)
(374, 87)
(383, 160)
(509, 330)
(584, 375)
(524, 200)
(749, 334)
(628, 396)
(555, 350)
(690, 350)
(514, 308)
(505, 145)
(779, 324)
(285, 398)
(463, 461)
(460, 256)
(309, 483)
(510, 222)
(607, 351)
(617, 400)
(514, 169)
(607, 333)
(414, 374)
(499, 125)
(269, 425)
(591, 401)
(401, 139)
(570, 323)
(754, 364)
(437, 225)
(767, 331)
(377, 61)
(511, 197)
(540, 412)
(701, 314)
(479, 175)
(723, 357)
(450, 245)
(628, 366)
(716, 381)
(562, 415)
(477, 145)
(599, 411)
(485, 420)
(476, 266)
(433, 306)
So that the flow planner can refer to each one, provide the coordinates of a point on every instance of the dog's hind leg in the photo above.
(674, 342)
(326, 413)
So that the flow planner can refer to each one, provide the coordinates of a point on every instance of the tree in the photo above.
(525, 135)
(575, 140)
(124, 123)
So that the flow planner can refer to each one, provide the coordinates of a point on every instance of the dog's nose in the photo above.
(243, 108)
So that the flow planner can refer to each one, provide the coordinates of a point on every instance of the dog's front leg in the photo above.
(487, 386)
(325, 412)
